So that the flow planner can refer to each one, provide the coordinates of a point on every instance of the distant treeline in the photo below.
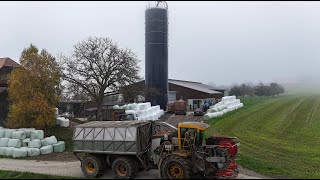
(260, 90)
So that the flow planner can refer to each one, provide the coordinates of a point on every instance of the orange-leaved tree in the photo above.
(34, 90)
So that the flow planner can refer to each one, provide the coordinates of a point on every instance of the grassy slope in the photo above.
(23, 175)
(279, 136)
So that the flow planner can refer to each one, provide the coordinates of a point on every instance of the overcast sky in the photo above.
(220, 42)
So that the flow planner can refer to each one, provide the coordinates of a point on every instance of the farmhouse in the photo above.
(6, 66)
(195, 93)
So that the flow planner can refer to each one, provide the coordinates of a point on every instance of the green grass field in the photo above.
(280, 137)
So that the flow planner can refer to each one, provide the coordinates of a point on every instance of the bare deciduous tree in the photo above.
(98, 66)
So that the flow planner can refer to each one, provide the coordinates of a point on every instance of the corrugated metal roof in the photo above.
(194, 85)
(112, 124)
(8, 62)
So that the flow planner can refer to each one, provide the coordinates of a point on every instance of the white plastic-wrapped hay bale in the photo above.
(37, 134)
(49, 141)
(9, 151)
(46, 149)
(18, 153)
(4, 142)
(155, 117)
(65, 123)
(28, 131)
(25, 142)
(57, 121)
(225, 111)
(158, 107)
(8, 133)
(141, 113)
(36, 143)
(19, 135)
(33, 152)
(116, 107)
(3, 151)
(2, 132)
(59, 147)
(16, 143)
(150, 112)
(207, 116)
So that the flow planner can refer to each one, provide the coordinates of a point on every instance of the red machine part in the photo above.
(232, 148)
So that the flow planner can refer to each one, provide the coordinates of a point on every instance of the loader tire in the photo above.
(92, 166)
(124, 168)
(176, 167)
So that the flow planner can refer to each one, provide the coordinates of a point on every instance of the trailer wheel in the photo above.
(92, 166)
(176, 167)
(124, 168)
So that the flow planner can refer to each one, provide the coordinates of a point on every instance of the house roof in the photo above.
(8, 62)
(194, 85)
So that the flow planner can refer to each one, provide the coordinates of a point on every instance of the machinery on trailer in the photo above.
(177, 153)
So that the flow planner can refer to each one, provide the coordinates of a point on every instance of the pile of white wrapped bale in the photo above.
(227, 104)
(27, 142)
(144, 111)
(62, 122)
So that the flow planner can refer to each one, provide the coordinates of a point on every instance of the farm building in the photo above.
(195, 93)
(6, 66)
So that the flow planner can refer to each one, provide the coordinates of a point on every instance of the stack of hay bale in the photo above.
(227, 104)
(62, 122)
(144, 110)
(25, 142)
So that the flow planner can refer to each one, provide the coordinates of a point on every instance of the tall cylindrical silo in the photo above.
(156, 53)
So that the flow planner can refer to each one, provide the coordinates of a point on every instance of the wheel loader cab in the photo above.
(190, 134)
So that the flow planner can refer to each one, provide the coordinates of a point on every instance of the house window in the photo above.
(3, 77)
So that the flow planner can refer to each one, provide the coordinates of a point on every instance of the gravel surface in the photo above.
(73, 169)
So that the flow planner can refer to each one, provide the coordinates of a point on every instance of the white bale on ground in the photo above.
(46, 149)
(140, 113)
(157, 107)
(19, 135)
(141, 107)
(25, 142)
(65, 123)
(148, 104)
(155, 117)
(36, 143)
(134, 106)
(2, 133)
(225, 111)
(28, 131)
(8, 133)
(9, 151)
(18, 153)
(4, 142)
(37, 134)
(3, 151)
(58, 122)
(150, 112)
(59, 147)
(49, 141)
(125, 107)
(33, 152)
(16, 143)
(130, 112)
(116, 107)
